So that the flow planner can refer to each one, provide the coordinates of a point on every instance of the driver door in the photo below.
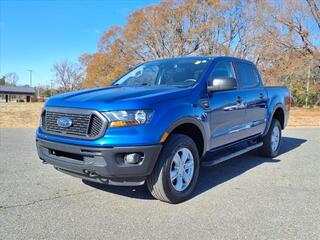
(227, 109)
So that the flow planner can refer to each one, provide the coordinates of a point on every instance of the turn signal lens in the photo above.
(164, 137)
(123, 123)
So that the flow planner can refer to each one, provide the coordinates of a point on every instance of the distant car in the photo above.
(157, 123)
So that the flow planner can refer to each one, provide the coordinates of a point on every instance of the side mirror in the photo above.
(221, 84)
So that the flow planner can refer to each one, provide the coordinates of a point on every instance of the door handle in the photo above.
(239, 99)
(261, 96)
(240, 104)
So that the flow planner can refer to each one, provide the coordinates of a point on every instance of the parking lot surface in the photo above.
(248, 197)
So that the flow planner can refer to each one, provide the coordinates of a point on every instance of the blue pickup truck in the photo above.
(158, 124)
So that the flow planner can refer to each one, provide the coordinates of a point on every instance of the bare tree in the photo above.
(170, 29)
(68, 75)
(2, 80)
(11, 79)
(315, 11)
(280, 36)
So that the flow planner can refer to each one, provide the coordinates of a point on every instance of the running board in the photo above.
(230, 155)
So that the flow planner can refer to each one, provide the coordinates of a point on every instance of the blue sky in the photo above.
(36, 34)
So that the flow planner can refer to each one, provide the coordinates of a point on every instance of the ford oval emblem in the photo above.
(64, 122)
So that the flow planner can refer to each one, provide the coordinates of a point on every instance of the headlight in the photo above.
(42, 117)
(128, 118)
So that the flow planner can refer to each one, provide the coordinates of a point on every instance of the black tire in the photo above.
(159, 183)
(266, 150)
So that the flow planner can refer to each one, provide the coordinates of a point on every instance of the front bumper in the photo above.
(104, 165)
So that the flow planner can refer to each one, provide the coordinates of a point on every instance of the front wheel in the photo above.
(176, 172)
(272, 140)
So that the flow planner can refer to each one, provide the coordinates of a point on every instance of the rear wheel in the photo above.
(176, 172)
(272, 140)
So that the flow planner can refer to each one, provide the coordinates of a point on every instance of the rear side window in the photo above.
(247, 75)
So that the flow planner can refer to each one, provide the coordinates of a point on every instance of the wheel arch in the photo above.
(192, 128)
(279, 114)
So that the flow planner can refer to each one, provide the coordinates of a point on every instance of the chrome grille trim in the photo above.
(87, 124)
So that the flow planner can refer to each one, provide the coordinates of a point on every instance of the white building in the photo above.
(16, 94)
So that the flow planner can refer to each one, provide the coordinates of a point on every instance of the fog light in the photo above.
(133, 158)
(93, 174)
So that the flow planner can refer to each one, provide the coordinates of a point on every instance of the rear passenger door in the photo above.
(255, 96)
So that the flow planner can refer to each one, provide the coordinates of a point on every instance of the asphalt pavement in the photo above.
(248, 197)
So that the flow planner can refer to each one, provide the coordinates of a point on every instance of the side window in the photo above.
(247, 75)
(223, 69)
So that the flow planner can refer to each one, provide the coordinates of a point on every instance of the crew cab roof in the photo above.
(209, 58)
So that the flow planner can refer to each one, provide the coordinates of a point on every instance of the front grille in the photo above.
(95, 126)
(86, 124)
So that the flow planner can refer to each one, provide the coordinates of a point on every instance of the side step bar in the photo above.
(230, 155)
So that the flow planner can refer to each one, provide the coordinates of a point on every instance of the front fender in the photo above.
(191, 120)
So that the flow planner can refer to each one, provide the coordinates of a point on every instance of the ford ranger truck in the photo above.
(159, 122)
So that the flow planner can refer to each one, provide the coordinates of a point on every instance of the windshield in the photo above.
(173, 72)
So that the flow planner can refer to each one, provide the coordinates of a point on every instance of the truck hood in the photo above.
(117, 97)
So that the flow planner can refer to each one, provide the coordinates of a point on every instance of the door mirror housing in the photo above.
(222, 84)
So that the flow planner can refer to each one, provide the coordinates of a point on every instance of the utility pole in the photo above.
(51, 88)
(30, 77)
(308, 85)
(38, 91)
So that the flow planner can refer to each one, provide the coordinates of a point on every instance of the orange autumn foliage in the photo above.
(281, 37)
